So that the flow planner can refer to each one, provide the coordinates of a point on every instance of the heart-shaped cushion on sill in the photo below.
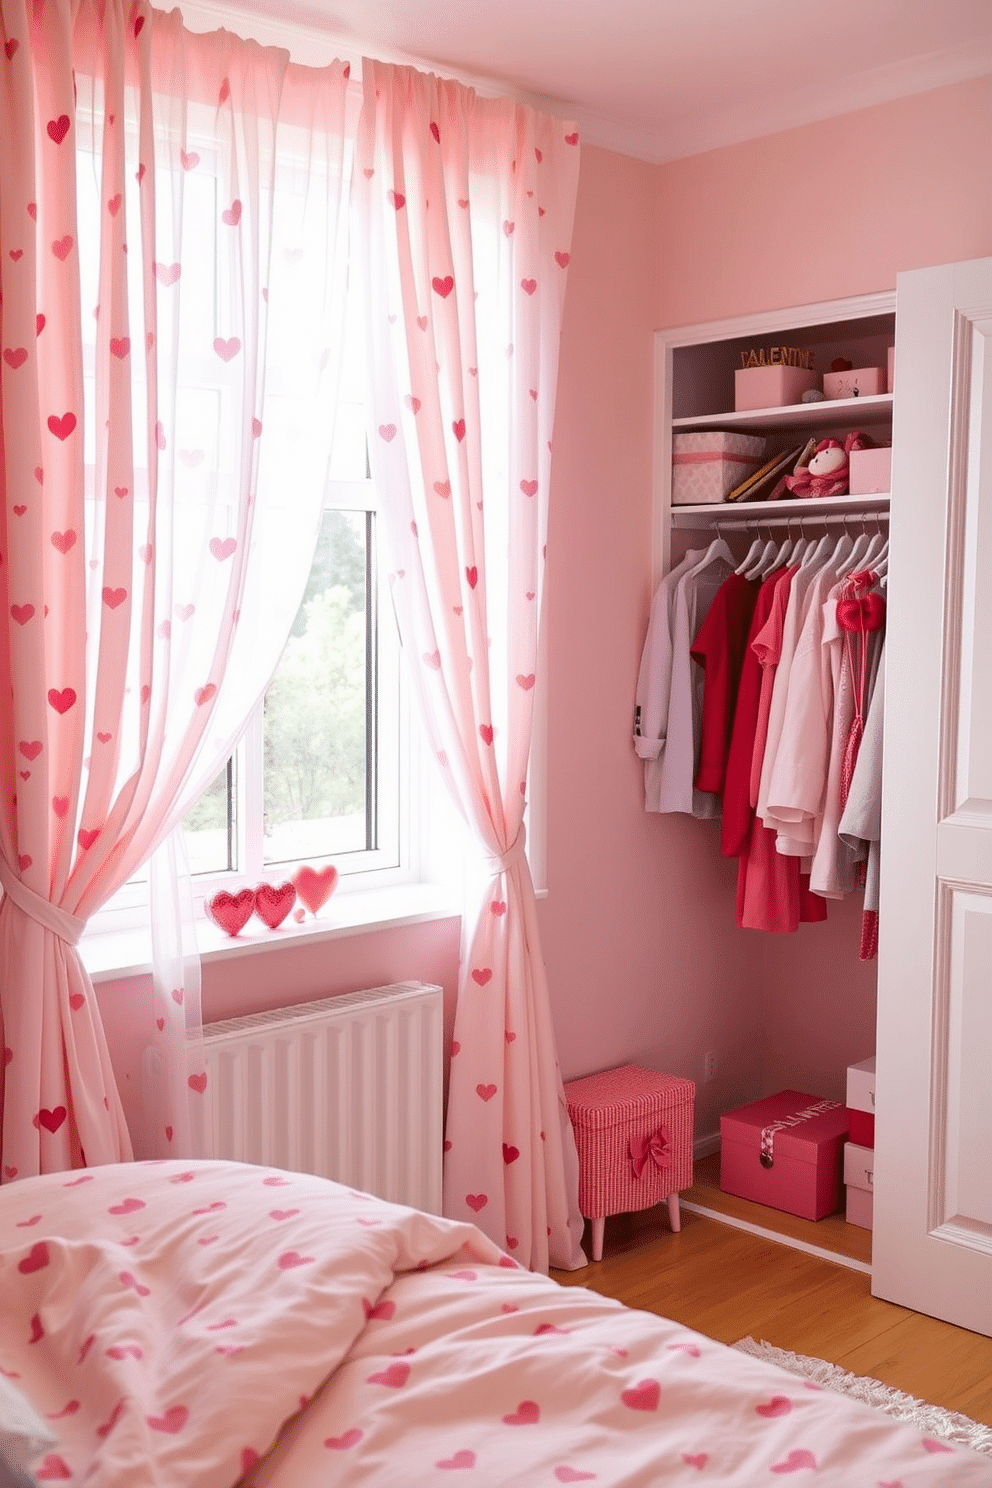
(315, 885)
(231, 911)
(273, 902)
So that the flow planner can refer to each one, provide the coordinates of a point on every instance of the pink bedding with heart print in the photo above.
(169, 1319)
(485, 1376)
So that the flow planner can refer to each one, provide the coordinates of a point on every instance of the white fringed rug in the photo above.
(962, 1431)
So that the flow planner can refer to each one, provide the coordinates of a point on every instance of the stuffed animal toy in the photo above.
(827, 472)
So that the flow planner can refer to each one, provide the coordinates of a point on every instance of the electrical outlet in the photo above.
(709, 1065)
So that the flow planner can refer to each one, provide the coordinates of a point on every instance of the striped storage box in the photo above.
(633, 1131)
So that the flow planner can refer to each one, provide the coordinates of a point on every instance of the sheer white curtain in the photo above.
(466, 208)
(172, 288)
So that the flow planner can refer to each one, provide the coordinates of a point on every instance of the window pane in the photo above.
(315, 727)
(209, 827)
(349, 456)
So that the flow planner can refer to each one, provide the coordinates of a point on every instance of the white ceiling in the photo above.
(658, 79)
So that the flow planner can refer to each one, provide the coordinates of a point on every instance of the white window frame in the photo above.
(402, 781)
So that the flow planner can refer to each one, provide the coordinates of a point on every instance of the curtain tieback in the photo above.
(66, 926)
(512, 855)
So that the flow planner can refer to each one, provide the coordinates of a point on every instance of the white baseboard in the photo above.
(703, 1147)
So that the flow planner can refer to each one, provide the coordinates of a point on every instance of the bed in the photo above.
(211, 1323)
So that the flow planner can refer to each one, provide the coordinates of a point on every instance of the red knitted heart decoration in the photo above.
(231, 911)
(273, 902)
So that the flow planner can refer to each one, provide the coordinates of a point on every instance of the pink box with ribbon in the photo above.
(785, 1151)
(706, 466)
(633, 1132)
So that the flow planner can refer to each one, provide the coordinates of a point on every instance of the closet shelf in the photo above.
(867, 412)
(755, 512)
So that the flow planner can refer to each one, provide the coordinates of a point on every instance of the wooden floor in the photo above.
(833, 1233)
(727, 1283)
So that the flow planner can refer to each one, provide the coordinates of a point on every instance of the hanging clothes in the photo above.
(735, 827)
(694, 593)
(823, 568)
(719, 649)
(773, 716)
(861, 821)
(654, 680)
(853, 616)
(799, 769)
(772, 892)
(860, 617)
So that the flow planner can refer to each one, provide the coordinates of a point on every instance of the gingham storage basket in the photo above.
(610, 1109)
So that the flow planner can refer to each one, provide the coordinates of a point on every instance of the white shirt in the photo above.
(671, 785)
(654, 679)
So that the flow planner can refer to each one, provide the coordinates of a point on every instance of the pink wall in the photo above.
(832, 209)
(643, 957)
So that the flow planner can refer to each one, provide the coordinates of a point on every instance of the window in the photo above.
(322, 771)
(317, 775)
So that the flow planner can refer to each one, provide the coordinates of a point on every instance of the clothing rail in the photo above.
(780, 513)
(815, 519)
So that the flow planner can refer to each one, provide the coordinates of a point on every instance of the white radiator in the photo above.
(349, 1087)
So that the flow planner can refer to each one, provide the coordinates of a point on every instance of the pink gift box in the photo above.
(776, 386)
(785, 1151)
(629, 1119)
(870, 471)
(857, 382)
(706, 466)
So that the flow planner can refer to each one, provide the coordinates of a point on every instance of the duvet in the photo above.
(202, 1324)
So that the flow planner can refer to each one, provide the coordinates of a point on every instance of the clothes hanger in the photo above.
(776, 559)
(753, 552)
(757, 568)
(803, 547)
(856, 557)
(717, 549)
(867, 560)
(829, 551)
(786, 552)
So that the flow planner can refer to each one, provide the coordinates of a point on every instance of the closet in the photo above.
(932, 1239)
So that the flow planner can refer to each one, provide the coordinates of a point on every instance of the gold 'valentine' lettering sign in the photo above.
(778, 356)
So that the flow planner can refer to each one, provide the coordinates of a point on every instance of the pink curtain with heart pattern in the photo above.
(171, 287)
(467, 206)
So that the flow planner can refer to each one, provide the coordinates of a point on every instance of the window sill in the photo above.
(125, 953)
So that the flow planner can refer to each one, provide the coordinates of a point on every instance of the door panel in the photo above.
(932, 1246)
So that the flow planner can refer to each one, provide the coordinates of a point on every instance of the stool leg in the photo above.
(597, 1238)
(675, 1218)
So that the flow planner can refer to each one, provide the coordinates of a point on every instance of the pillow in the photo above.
(23, 1436)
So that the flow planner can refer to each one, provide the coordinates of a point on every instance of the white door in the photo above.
(932, 1247)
